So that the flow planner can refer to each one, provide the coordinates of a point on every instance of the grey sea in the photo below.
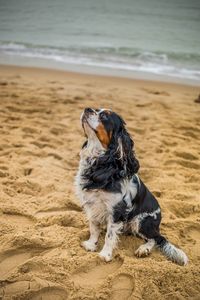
(149, 37)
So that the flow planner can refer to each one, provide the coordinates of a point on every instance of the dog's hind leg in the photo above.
(145, 249)
(147, 228)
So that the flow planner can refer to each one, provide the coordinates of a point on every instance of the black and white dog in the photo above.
(111, 192)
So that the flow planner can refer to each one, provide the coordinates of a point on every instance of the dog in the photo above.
(111, 192)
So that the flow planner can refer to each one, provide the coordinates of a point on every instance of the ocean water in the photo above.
(150, 36)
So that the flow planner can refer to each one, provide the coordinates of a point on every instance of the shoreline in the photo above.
(93, 70)
(44, 72)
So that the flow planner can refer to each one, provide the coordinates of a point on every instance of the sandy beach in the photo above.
(41, 220)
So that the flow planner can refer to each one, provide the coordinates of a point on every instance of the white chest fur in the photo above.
(99, 204)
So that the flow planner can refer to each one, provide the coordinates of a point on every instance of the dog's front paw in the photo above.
(105, 255)
(89, 246)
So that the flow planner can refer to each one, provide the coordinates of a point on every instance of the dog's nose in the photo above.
(88, 110)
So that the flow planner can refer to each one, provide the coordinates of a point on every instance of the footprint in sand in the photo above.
(190, 128)
(122, 287)
(12, 290)
(50, 212)
(18, 288)
(169, 143)
(29, 130)
(3, 174)
(61, 216)
(11, 260)
(72, 205)
(4, 168)
(188, 164)
(57, 131)
(41, 145)
(55, 155)
(89, 277)
(50, 293)
(13, 108)
(190, 131)
(192, 236)
(23, 187)
(183, 163)
(28, 171)
(16, 220)
(144, 104)
(138, 130)
(156, 92)
(186, 155)
(187, 208)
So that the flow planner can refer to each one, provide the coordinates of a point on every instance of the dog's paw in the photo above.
(105, 255)
(142, 251)
(89, 246)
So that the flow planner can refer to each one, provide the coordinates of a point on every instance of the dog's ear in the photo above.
(126, 152)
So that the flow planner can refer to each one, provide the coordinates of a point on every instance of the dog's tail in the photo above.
(170, 251)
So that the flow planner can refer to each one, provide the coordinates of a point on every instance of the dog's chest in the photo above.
(98, 204)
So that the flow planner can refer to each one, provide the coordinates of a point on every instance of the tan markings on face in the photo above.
(103, 136)
(108, 112)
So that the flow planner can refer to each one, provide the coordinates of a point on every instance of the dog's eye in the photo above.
(103, 116)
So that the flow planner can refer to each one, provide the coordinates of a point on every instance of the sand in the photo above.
(41, 221)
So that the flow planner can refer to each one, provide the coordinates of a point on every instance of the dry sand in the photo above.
(42, 223)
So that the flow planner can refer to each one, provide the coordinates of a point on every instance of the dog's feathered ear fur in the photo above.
(117, 162)
(125, 152)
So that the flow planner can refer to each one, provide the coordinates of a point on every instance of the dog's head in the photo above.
(106, 129)
(101, 124)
